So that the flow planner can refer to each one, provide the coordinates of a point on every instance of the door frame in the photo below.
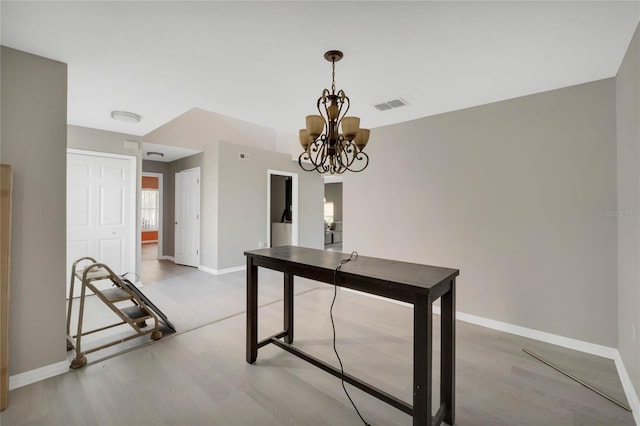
(133, 202)
(294, 205)
(160, 210)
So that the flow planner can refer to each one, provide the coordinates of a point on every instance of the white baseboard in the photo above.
(165, 257)
(554, 339)
(208, 270)
(629, 391)
(23, 379)
(566, 342)
(221, 271)
(386, 299)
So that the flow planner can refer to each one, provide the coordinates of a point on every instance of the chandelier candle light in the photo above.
(324, 146)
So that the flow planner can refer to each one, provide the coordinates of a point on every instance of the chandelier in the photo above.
(333, 142)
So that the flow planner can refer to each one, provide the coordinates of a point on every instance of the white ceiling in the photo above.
(169, 153)
(263, 61)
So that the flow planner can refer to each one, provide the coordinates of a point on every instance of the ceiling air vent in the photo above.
(394, 103)
(383, 107)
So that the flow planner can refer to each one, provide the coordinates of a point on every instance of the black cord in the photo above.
(132, 273)
(333, 326)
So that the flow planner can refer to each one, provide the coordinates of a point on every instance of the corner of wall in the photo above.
(627, 88)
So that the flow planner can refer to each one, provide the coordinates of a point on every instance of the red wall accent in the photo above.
(150, 182)
(150, 236)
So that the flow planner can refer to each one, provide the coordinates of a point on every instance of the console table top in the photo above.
(411, 276)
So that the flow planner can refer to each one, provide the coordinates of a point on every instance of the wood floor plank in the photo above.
(200, 377)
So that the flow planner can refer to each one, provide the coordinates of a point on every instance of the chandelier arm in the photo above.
(324, 114)
(361, 156)
(321, 157)
(348, 102)
(321, 100)
(338, 163)
(324, 168)
(313, 155)
(344, 151)
(302, 164)
(313, 149)
(341, 114)
(349, 154)
(323, 154)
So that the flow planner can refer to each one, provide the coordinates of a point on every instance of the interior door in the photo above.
(101, 211)
(187, 217)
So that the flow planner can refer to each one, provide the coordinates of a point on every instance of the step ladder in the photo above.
(125, 303)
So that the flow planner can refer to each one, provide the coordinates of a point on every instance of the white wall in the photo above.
(34, 139)
(628, 131)
(513, 194)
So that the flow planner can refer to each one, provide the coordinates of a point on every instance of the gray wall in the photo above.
(513, 194)
(234, 196)
(628, 131)
(34, 140)
(242, 220)
(103, 141)
(333, 193)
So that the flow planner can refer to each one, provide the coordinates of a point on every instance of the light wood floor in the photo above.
(199, 377)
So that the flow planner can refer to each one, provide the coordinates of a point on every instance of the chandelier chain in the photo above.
(333, 77)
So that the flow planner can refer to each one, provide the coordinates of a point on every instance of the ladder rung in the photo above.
(94, 274)
(115, 294)
(135, 313)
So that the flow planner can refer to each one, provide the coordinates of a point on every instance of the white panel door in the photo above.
(187, 220)
(80, 221)
(114, 222)
(101, 211)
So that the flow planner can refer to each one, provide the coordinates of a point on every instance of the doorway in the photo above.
(282, 208)
(151, 206)
(333, 234)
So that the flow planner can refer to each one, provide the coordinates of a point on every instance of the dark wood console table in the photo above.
(419, 285)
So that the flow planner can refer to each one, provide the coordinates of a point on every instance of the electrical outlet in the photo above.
(260, 244)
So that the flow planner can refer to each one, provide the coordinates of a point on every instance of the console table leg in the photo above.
(448, 354)
(288, 307)
(422, 360)
(252, 311)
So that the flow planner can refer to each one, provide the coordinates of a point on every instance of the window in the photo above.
(150, 209)
(328, 212)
